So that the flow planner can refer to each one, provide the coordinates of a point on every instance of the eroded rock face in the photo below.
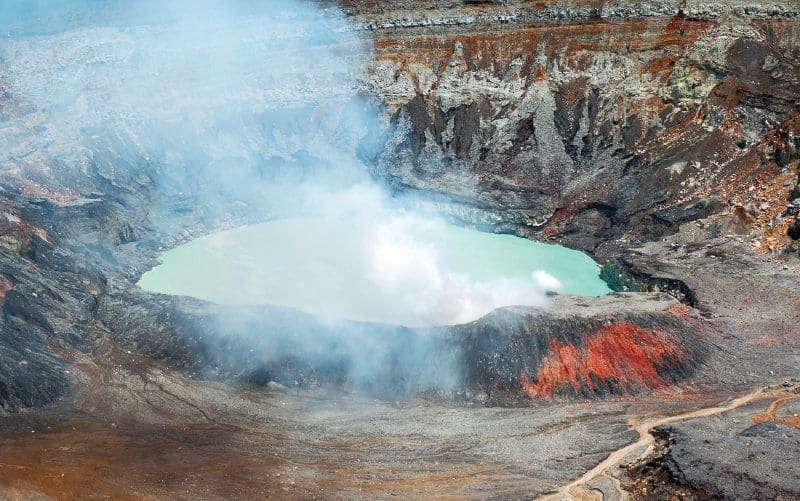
(594, 113)
(623, 344)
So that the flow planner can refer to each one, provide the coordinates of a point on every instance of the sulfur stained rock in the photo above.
(622, 344)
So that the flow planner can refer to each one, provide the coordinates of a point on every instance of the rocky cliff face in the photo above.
(585, 119)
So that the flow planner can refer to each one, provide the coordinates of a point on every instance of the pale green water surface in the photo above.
(385, 273)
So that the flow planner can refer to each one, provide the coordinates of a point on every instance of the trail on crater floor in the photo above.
(577, 489)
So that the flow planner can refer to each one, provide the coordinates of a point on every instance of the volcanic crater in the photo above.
(660, 137)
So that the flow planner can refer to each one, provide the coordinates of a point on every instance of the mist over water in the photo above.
(366, 260)
(219, 108)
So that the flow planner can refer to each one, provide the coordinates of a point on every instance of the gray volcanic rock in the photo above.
(729, 457)
(619, 344)
(794, 230)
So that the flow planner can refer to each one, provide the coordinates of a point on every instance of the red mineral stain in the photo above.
(622, 351)
(559, 216)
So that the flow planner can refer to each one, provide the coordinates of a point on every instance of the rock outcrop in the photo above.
(586, 119)
(622, 344)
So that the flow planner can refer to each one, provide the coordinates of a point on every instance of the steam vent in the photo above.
(428, 249)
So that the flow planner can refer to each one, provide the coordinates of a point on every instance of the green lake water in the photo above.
(403, 272)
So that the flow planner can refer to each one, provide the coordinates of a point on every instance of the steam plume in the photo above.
(225, 107)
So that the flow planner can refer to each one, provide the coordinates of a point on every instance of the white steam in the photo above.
(251, 105)
(358, 256)
(399, 275)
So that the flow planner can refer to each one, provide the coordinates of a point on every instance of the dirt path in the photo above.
(578, 490)
(774, 407)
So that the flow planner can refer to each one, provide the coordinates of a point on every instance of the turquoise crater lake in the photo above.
(403, 270)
